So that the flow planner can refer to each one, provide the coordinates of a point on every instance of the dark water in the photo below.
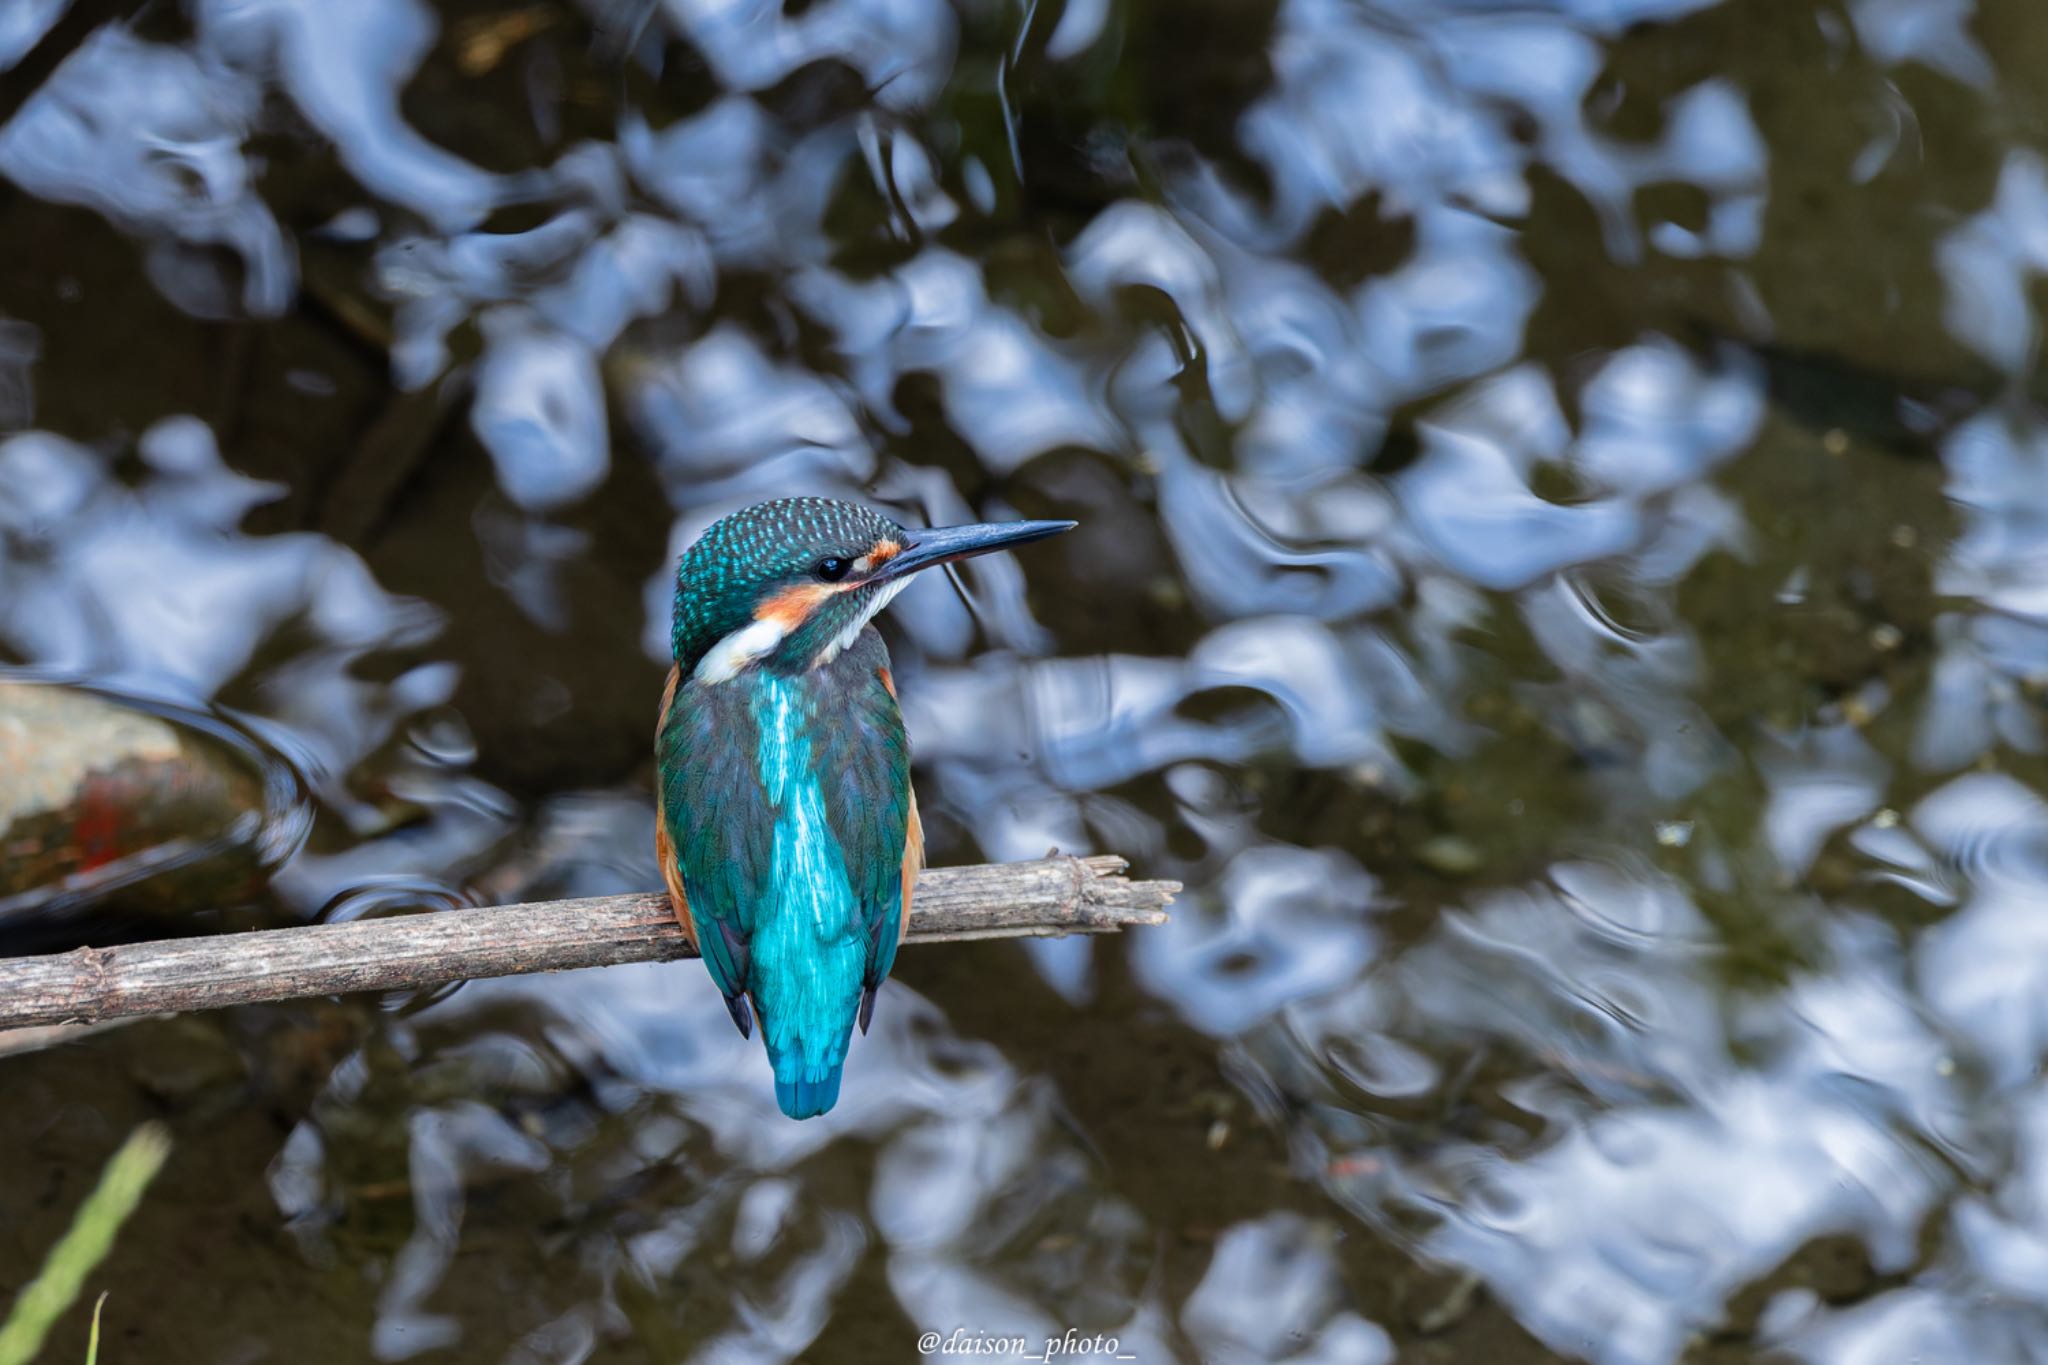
(1563, 580)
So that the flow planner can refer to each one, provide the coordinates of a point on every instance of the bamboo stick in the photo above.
(1049, 896)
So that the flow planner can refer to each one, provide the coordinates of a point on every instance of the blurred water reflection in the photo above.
(1563, 579)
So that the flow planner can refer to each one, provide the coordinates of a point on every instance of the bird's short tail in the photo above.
(808, 1091)
(806, 1031)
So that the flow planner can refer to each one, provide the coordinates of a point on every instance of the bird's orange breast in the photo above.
(913, 834)
(664, 846)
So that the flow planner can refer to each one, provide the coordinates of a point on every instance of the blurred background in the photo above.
(1562, 578)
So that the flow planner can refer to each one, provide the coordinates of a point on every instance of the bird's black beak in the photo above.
(944, 544)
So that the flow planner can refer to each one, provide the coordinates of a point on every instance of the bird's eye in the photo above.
(832, 570)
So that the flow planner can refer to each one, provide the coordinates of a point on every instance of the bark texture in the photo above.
(87, 985)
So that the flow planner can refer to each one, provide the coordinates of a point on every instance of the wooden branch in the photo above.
(408, 952)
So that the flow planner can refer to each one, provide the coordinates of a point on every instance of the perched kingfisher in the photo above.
(788, 833)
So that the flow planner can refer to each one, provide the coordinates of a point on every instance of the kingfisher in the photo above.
(787, 831)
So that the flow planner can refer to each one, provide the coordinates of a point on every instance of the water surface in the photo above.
(1562, 578)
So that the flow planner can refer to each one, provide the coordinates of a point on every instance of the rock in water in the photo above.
(139, 807)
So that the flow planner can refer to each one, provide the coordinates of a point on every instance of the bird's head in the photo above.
(788, 584)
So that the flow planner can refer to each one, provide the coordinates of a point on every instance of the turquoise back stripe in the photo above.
(809, 954)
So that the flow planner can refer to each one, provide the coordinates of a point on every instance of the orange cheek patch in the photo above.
(791, 607)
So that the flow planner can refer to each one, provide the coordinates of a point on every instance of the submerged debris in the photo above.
(109, 800)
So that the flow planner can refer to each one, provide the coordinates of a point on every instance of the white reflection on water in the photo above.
(1935, 33)
(1271, 1293)
(1006, 389)
(1290, 930)
(151, 136)
(903, 49)
(153, 588)
(1993, 658)
(1697, 1145)
(1981, 967)
(343, 68)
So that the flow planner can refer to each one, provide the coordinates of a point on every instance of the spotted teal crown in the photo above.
(745, 559)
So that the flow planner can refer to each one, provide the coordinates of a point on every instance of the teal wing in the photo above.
(721, 827)
(786, 801)
(863, 764)
(721, 817)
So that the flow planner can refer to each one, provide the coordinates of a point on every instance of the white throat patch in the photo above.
(852, 632)
(726, 658)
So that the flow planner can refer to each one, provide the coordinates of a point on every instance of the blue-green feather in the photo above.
(787, 800)
(865, 760)
(719, 821)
